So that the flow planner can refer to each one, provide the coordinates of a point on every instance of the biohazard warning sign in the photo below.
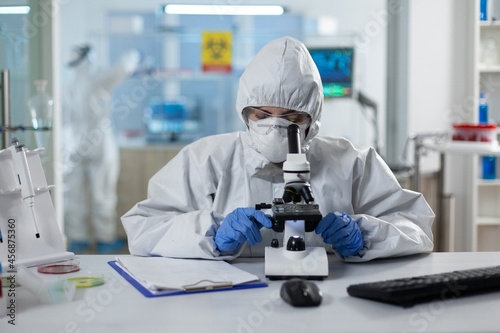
(216, 51)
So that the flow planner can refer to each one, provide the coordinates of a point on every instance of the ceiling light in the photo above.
(15, 10)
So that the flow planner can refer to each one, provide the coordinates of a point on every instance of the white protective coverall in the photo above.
(90, 156)
(190, 196)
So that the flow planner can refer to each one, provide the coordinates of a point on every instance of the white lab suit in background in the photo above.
(90, 157)
(190, 196)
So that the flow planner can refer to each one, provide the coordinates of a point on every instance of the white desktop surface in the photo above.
(117, 306)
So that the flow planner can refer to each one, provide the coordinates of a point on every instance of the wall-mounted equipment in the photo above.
(335, 65)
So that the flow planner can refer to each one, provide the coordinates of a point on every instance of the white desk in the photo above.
(117, 307)
(471, 195)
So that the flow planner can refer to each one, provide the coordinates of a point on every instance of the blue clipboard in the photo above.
(146, 292)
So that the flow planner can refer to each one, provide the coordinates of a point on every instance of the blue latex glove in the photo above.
(241, 225)
(342, 232)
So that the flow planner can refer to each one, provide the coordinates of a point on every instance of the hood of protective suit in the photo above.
(284, 75)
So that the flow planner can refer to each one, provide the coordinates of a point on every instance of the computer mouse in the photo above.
(301, 293)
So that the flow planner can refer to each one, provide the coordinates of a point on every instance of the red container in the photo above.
(475, 132)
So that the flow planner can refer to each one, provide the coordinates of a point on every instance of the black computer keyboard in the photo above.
(407, 292)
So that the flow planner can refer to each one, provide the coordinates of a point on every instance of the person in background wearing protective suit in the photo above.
(200, 205)
(90, 155)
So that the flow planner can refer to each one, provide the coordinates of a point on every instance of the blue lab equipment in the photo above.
(239, 226)
(165, 120)
(342, 232)
(483, 15)
(335, 66)
(489, 162)
(489, 167)
(483, 109)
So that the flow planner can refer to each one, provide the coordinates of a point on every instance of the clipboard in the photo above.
(190, 289)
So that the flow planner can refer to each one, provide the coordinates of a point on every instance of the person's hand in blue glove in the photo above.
(241, 225)
(342, 232)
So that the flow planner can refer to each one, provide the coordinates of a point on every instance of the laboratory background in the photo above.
(411, 78)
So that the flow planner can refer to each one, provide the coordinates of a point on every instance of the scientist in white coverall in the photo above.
(200, 205)
(90, 156)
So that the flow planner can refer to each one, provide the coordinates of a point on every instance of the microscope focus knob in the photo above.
(275, 243)
(296, 243)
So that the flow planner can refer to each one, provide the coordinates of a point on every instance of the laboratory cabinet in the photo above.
(469, 206)
(481, 205)
(487, 66)
(485, 221)
(486, 210)
(138, 163)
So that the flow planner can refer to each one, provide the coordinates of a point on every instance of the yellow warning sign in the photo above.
(216, 51)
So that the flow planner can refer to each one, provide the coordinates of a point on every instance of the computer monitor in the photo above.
(335, 65)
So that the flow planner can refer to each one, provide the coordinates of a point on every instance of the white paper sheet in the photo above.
(159, 273)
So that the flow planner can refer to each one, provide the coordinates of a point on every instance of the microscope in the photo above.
(293, 215)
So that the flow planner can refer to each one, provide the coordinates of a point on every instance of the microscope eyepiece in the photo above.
(293, 132)
(293, 128)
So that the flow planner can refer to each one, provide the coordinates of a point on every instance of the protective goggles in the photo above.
(296, 117)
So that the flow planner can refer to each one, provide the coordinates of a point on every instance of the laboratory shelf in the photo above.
(488, 182)
(182, 74)
(480, 208)
(487, 221)
(489, 24)
(466, 147)
(489, 68)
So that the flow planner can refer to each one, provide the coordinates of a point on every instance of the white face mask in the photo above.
(270, 137)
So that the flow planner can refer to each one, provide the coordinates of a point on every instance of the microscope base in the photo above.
(280, 264)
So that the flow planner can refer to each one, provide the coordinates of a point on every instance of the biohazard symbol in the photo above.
(216, 52)
(216, 48)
